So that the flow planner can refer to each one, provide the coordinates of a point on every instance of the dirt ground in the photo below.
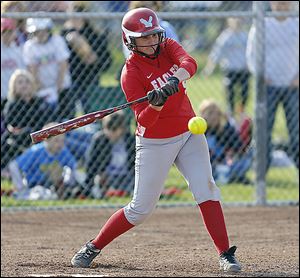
(172, 243)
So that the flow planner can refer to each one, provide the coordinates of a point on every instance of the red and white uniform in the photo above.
(163, 138)
(141, 75)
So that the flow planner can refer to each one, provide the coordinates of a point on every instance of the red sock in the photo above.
(214, 222)
(116, 225)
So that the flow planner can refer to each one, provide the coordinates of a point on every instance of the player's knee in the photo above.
(209, 191)
(136, 216)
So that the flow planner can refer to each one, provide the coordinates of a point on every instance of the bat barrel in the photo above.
(64, 127)
(61, 128)
(37, 137)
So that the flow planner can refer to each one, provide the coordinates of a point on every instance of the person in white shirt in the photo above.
(229, 51)
(281, 72)
(46, 56)
(11, 55)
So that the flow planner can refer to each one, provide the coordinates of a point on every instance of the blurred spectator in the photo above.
(47, 6)
(90, 57)
(3, 127)
(193, 5)
(46, 56)
(48, 165)
(229, 51)
(110, 159)
(235, 6)
(11, 55)
(155, 6)
(281, 73)
(23, 113)
(78, 141)
(12, 7)
(118, 6)
(230, 158)
(194, 33)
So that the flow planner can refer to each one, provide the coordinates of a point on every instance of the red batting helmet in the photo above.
(139, 23)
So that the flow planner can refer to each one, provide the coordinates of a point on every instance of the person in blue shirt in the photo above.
(48, 164)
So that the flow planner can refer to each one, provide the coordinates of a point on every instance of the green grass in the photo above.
(282, 185)
(11, 202)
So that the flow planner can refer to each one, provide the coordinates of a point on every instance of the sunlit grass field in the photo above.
(282, 183)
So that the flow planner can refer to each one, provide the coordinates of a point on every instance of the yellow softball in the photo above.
(197, 125)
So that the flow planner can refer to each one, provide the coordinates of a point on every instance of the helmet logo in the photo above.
(147, 23)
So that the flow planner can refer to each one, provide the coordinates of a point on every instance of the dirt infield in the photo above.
(173, 242)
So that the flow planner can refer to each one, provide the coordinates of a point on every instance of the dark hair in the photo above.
(114, 121)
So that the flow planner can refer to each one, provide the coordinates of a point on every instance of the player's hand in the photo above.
(157, 97)
(171, 87)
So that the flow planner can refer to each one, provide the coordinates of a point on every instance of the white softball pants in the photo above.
(154, 158)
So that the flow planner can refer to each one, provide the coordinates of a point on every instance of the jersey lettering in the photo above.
(166, 76)
(154, 84)
(161, 81)
(174, 68)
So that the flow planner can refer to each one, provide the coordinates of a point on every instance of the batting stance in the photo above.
(158, 67)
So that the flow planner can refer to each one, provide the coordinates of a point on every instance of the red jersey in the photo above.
(141, 75)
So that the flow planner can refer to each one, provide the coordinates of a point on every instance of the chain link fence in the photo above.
(63, 59)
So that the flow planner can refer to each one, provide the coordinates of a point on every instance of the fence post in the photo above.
(260, 106)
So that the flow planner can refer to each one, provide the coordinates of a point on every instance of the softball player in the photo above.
(159, 67)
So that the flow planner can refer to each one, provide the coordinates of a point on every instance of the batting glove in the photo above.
(171, 87)
(157, 97)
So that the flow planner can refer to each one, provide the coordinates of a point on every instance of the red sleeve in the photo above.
(133, 88)
(180, 56)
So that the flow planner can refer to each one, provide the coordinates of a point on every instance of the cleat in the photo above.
(228, 262)
(84, 257)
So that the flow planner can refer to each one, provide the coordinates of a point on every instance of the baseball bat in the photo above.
(86, 119)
